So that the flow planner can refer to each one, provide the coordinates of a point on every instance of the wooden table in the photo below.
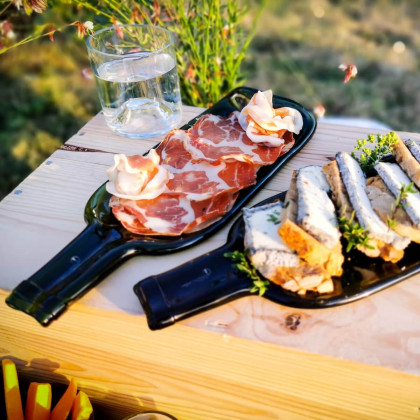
(250, 359)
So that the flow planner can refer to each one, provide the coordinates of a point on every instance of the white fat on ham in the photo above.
(162, 225)
(189, 175)
(265, 124)
(137, 177)
(214, 137)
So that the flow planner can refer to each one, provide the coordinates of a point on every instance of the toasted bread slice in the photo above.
(378, 247)
(303, 278)
(343, 204)
(290, 201)
(311, 250)
(338, 190)
(383, 201)
(407, 161)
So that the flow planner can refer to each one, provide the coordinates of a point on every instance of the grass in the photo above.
(38, 111)
(301, 44)
(297, 51)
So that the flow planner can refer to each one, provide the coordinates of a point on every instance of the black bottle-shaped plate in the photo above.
(105, 244)
(211, 280)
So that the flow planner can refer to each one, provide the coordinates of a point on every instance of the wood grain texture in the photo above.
(45, 212)
(193, 374)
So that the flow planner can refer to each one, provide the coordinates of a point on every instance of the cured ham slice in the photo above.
(199, 179)
(137, 177)
(215, 136)
(170, 214)
(267, 125)
(193, 177)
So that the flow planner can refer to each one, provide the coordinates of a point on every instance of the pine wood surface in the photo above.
(126, 368)
(45, 212)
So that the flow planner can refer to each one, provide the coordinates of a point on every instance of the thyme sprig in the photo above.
(242, 264)
(399, 203)
(354, 233)
(384, 145)
(274, 217)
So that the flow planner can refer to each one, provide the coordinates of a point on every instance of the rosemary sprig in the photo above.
(354, 233)
(399, 203)
(384, 145)
(242, 264)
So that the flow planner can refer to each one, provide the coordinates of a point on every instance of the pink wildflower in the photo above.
(350, 71)
(319, 111)
(118, 30)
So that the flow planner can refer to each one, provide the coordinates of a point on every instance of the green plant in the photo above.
(383, 145)
(399, 203)
(12, 14)
(355, 234)
(211, 39)
(241, 264)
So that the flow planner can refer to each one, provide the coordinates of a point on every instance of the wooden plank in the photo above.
(194, 374)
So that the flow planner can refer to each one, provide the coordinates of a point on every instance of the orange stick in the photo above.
(11, 391)
(38, 402)
(64, 405)
(82, 408)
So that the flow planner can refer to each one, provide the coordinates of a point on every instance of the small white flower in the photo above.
(88, 25)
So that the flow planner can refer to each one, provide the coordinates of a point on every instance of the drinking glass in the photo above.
(136, 78)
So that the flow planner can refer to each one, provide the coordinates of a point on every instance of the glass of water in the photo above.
(137, 80)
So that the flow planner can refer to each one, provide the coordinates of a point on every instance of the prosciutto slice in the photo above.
(204, 168)
(170, 214)
(215, 136)
(200, 179)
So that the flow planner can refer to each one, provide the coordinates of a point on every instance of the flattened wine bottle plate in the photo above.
(211, 280)
(105, 243)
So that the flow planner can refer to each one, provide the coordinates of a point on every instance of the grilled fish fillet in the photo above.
(395, 178)
(355, 183)
(316, 212)
(383, 201)
(407, 161)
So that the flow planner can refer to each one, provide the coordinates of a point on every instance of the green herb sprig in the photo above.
(274, 217)
(399, 203)
(354, 233)
(242, 264)
(384, 144)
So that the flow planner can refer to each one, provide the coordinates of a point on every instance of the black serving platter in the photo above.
(212, 280)
(104, 244)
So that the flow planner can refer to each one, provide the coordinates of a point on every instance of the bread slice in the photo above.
(407, 161)
(273, 259)
(303, 278)
(343, 204)
(290, 201)
(383, 201)
(383, 242)
(311, 250)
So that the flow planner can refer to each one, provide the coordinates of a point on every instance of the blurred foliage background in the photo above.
(296, 51)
